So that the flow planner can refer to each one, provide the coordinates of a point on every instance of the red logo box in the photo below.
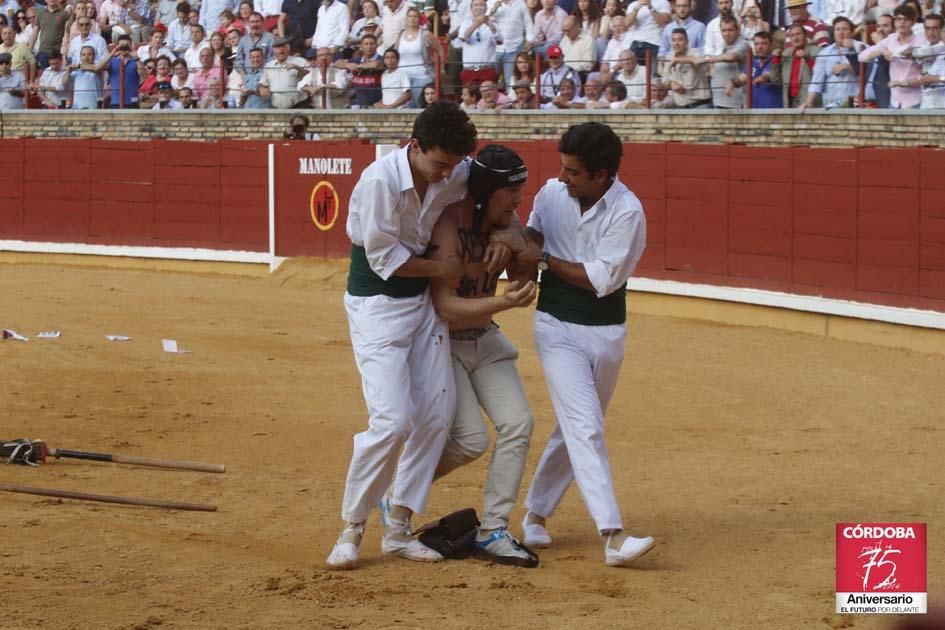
(881, 568)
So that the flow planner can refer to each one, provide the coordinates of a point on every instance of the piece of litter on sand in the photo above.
(12, 334)
(117, 338)
(170, 345)
(49, 334)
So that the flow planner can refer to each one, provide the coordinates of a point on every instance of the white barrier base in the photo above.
(178, 253)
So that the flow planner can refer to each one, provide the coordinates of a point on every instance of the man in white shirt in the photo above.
(280, 81)
(633, 76)
(714, 44)
(400, 344)
(594, 93)
(682, 18)
(645, 22)
(557, 70)
(932, 58)
(12, 85)
(592, 232)
(165, 97)
(515, 30)
(331, 29)
(86, 38)
(579, 48)
(54, 82)
(393, 21)
(336, 79)
(394, 82)
(178, 31)
(619, 41)
(198, 43)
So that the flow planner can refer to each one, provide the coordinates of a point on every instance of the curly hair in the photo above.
(443, 125)
(595, 145)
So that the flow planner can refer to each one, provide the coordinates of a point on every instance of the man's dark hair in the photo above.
(183, 7)
(202, 29)
(595, 145)
(841, 18)
(179, 62)
(369, 36)
(124, 37)
(907, 11)
(443, 125)
(681, 31)
(618, 89)
(393, 51)
(763, 35)
(935, 16)
(729, 19)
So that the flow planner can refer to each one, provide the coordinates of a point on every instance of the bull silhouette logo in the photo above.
(324, 205)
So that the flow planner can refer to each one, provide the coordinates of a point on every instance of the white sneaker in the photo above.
(535, 535)
(346, 552)
(631, 549)
(398, 540)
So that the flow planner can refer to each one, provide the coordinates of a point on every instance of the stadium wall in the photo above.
(887, 128)
(775, 226)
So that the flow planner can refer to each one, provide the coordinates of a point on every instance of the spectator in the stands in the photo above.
(210, 13)
(492, 98)
(270, 10)
(297, 22)
(632, 75)
(154, 48)
(395, 84)
(616, 93)
(366, 68)
(256, 37)
(243, 12)
(333, 87)
(48, 31)
(524, 96)
(515, 28)
(902, 69)
(23, 60)
(331, 28)
(428, 96)
(178, 31)
(877, 71)
(469, 97)
(478, 34)
(727, 88)
(12, 85)
(797, 66)
(594, 97)
(204, 76)
(186, 97)
(368, 23)
(549, 27)
(393, 21)
(249, 96)
(53, 84)
(751, 22)
(682, 18)
(686, 76)
(578, 47)
(817, 32)
(281, 76)
(524, 69)
(556, 72)
(645, 22)
(419, 53)
(182, 76)
(932, 59)
(765, 90)
(713, 30)
(836, 70)
(87, 83)
(86, 38)
(165, 98)
(563, 97)
(197, 44)
(619, 42)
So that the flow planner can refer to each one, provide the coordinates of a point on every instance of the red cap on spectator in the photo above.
(555, 51)
(160, 27)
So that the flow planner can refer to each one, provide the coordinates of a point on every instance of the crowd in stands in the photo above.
(490, 55)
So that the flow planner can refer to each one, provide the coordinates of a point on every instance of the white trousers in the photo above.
(581, 365)
(403, 353)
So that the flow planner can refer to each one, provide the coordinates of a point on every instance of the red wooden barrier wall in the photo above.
(861, 224)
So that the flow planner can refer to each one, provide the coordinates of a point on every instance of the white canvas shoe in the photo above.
(631, 549)
(535, 535)
(346, 552)
(398, 540)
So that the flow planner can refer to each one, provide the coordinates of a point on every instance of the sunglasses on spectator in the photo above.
(85, 24)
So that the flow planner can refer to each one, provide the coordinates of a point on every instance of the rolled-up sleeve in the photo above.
(375, 204)
(534, 217)
(618, 253)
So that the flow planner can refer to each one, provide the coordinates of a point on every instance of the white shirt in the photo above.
(392, 23)
(192, 54)
(614, 48)
(171, 104)
(459, 11)
(283, 81)
(393, 86)
(932, 58)
(386, 216)
(53, 83)
(97, 42)
(513, 21)
(176, 84)
(714, 44)
(551, 79)
(210, 11)
(144, 53)
(608, 239)
(645, 29)
(480, 47)
(850, 9)
(338, 79)
(581, 53)
(268, 8)
(12, 81)
(178, 36)
(635, 83)
(332, 27)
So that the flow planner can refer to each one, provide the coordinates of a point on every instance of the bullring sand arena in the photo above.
(738, 448)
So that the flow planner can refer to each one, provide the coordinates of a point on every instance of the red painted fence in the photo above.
(860, 224)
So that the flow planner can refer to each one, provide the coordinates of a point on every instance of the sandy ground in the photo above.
(737, 448)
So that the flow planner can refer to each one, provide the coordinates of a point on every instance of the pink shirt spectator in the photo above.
(202, 79)
(501, 99)
(548, 29)
(901, 69)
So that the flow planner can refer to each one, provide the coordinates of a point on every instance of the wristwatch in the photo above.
(543, 261)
